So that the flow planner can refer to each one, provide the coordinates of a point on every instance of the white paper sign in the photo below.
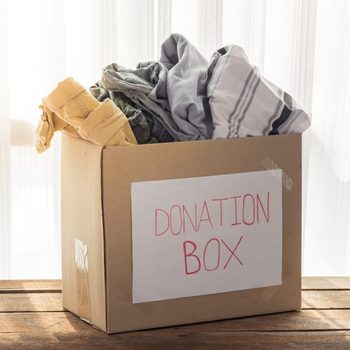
(206, 235)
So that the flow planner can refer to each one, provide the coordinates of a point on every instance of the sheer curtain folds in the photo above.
(301, 45)
(5, 195)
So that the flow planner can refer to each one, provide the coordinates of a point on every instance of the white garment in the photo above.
(243, 103)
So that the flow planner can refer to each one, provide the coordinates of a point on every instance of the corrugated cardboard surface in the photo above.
(123, 165)
(82, 231)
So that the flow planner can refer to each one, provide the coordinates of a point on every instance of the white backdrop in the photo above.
(301, 45)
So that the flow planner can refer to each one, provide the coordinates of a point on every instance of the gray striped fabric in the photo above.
(243, 103)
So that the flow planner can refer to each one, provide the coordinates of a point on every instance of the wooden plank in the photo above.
(30, 286)
(239, 340)
(326, 299)
(35, 320)
(308, 283)
(56, 285)
(308, 320)
(30, 302)
(315, 283)
(203, 341)
(41, 322)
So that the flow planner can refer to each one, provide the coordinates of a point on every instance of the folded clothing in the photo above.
(243, 103)
(73, 110)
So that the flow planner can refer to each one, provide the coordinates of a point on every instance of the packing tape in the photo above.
(269, 164)
(269, 293)
(82, 279)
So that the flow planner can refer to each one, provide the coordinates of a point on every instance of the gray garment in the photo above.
(186, 86)
(145, 87)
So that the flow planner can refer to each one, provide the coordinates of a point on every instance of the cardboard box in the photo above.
(97, 228)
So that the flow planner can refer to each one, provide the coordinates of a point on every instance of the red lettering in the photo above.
(187, 255)
(232, 252)
(267, 212)
(171, 220)
(156, 228)
(248, 195)
(220, 200)
(185, 213)
(218, 254)
(236, 222)
(205, 209)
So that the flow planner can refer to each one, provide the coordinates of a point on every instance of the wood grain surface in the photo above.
(32, 317)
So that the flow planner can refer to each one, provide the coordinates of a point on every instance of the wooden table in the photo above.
(32, 317)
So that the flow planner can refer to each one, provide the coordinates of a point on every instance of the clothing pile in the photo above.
(181, 97)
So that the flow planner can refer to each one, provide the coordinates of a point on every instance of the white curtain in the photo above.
(301, 45)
